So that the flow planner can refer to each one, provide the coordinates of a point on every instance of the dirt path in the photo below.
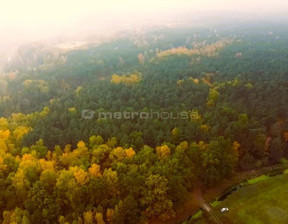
(206, 207)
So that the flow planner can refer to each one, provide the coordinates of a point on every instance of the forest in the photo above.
(57, 166)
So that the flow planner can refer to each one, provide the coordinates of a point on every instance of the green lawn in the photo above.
(264, 202)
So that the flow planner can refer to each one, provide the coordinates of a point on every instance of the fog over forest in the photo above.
(31, 21)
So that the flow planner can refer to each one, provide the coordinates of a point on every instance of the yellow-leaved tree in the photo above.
(163, 151)
(95, 171)
(81, 177)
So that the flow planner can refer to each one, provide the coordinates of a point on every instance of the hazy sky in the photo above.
(32, 19)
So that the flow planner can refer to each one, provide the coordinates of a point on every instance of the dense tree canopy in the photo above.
(120, 132)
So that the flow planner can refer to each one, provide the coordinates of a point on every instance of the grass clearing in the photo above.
(257, 179)
(215, 203)
(263, 202)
